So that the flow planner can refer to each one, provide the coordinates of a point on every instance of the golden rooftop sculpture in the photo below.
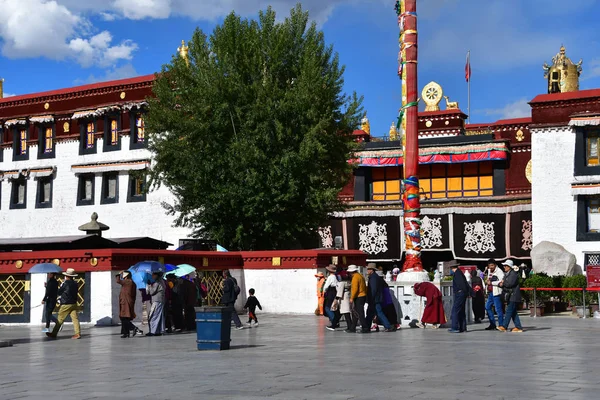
(563, 74)
(183, 51)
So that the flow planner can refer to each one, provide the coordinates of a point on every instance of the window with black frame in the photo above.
(20, 138)
(137, 188)
(138, 131)
(112, 128)
(110, 188)
(46, 143)
(44, 193)
(87, 137)
(85, 189)
(18, 196)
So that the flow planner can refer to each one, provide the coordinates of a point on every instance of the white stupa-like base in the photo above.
(411, 305)
(413, 276)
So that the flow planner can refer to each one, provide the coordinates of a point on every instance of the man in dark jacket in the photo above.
(190, 300)
(68, 304)
(49, 300)
(231, 291)
(461, 290)
(510, 284)
(375, 299)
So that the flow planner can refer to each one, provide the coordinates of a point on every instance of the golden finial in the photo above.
(365, 125)
(1, 88)
(563, 74)
(393, 132)
(183, 52)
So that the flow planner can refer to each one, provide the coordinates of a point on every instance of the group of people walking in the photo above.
(503, 290)
(345, 294)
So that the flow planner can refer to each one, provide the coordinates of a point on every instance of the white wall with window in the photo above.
(56, 202)
(566, 188)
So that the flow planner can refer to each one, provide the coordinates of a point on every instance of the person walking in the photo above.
(478, 297)
(434, 308)
(68, 305)
(127, 304)
(156, 318)
(358, 299)
(375, 299)
(330, 293)
(461, 290)
(190, 300)
(320, 310)
(251, 304)
(49, 300)
(231, 291)
(494, 276)
(343, 301)
(510, 284)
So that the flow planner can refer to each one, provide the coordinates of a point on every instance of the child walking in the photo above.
(251, 305)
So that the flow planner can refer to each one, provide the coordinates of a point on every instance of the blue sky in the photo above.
(47, 45)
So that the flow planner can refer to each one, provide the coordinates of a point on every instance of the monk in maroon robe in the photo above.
(434, 308)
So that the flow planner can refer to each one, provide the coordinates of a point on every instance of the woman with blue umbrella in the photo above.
(51, 294)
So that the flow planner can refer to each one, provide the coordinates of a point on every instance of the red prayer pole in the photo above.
(410, 109)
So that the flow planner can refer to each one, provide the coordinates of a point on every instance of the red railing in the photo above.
(583, 290)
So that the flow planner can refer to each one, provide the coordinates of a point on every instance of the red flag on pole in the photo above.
(468, 67)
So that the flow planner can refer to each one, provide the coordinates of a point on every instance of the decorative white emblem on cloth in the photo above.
(431, 232)
(372, 238)
(527, 235)
(326, 237)
(479, 237)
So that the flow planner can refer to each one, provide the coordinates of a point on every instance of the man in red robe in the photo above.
(434, 308)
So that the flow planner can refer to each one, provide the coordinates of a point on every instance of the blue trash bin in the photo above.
(213, 328)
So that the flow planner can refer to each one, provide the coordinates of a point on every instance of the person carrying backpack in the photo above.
(231, 291)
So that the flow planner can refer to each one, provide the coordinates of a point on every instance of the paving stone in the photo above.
(294, 357)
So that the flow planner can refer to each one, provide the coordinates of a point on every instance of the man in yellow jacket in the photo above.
(320, 293)
(358, 298)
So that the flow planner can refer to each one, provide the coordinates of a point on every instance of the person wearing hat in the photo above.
(510, 284)
(358, 299)
(68, 305)
(156, 318)
(320, 293)
(494, 276)
(330, 292)
(127, 304)
(375, 299)
(461, 290)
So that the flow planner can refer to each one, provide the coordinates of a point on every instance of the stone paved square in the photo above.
(294, 357)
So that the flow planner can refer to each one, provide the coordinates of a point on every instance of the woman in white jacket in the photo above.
(342, 302)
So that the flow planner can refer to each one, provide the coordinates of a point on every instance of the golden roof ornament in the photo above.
(393, 132)
(563, 74)
(183, 51)
(365, 125)
(432, 95)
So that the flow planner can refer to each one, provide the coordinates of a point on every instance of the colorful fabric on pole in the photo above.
(412, 225)
(468, 67)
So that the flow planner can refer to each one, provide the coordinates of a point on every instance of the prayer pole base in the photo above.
(412, 264)
(413, 276)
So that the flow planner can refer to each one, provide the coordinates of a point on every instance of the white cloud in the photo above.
(8, 95)
(122, 72)
(320, 10)
(97, 50)
(516, 109)
(592, 70)
(43, 28)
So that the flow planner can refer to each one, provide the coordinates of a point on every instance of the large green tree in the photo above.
(255, 132)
